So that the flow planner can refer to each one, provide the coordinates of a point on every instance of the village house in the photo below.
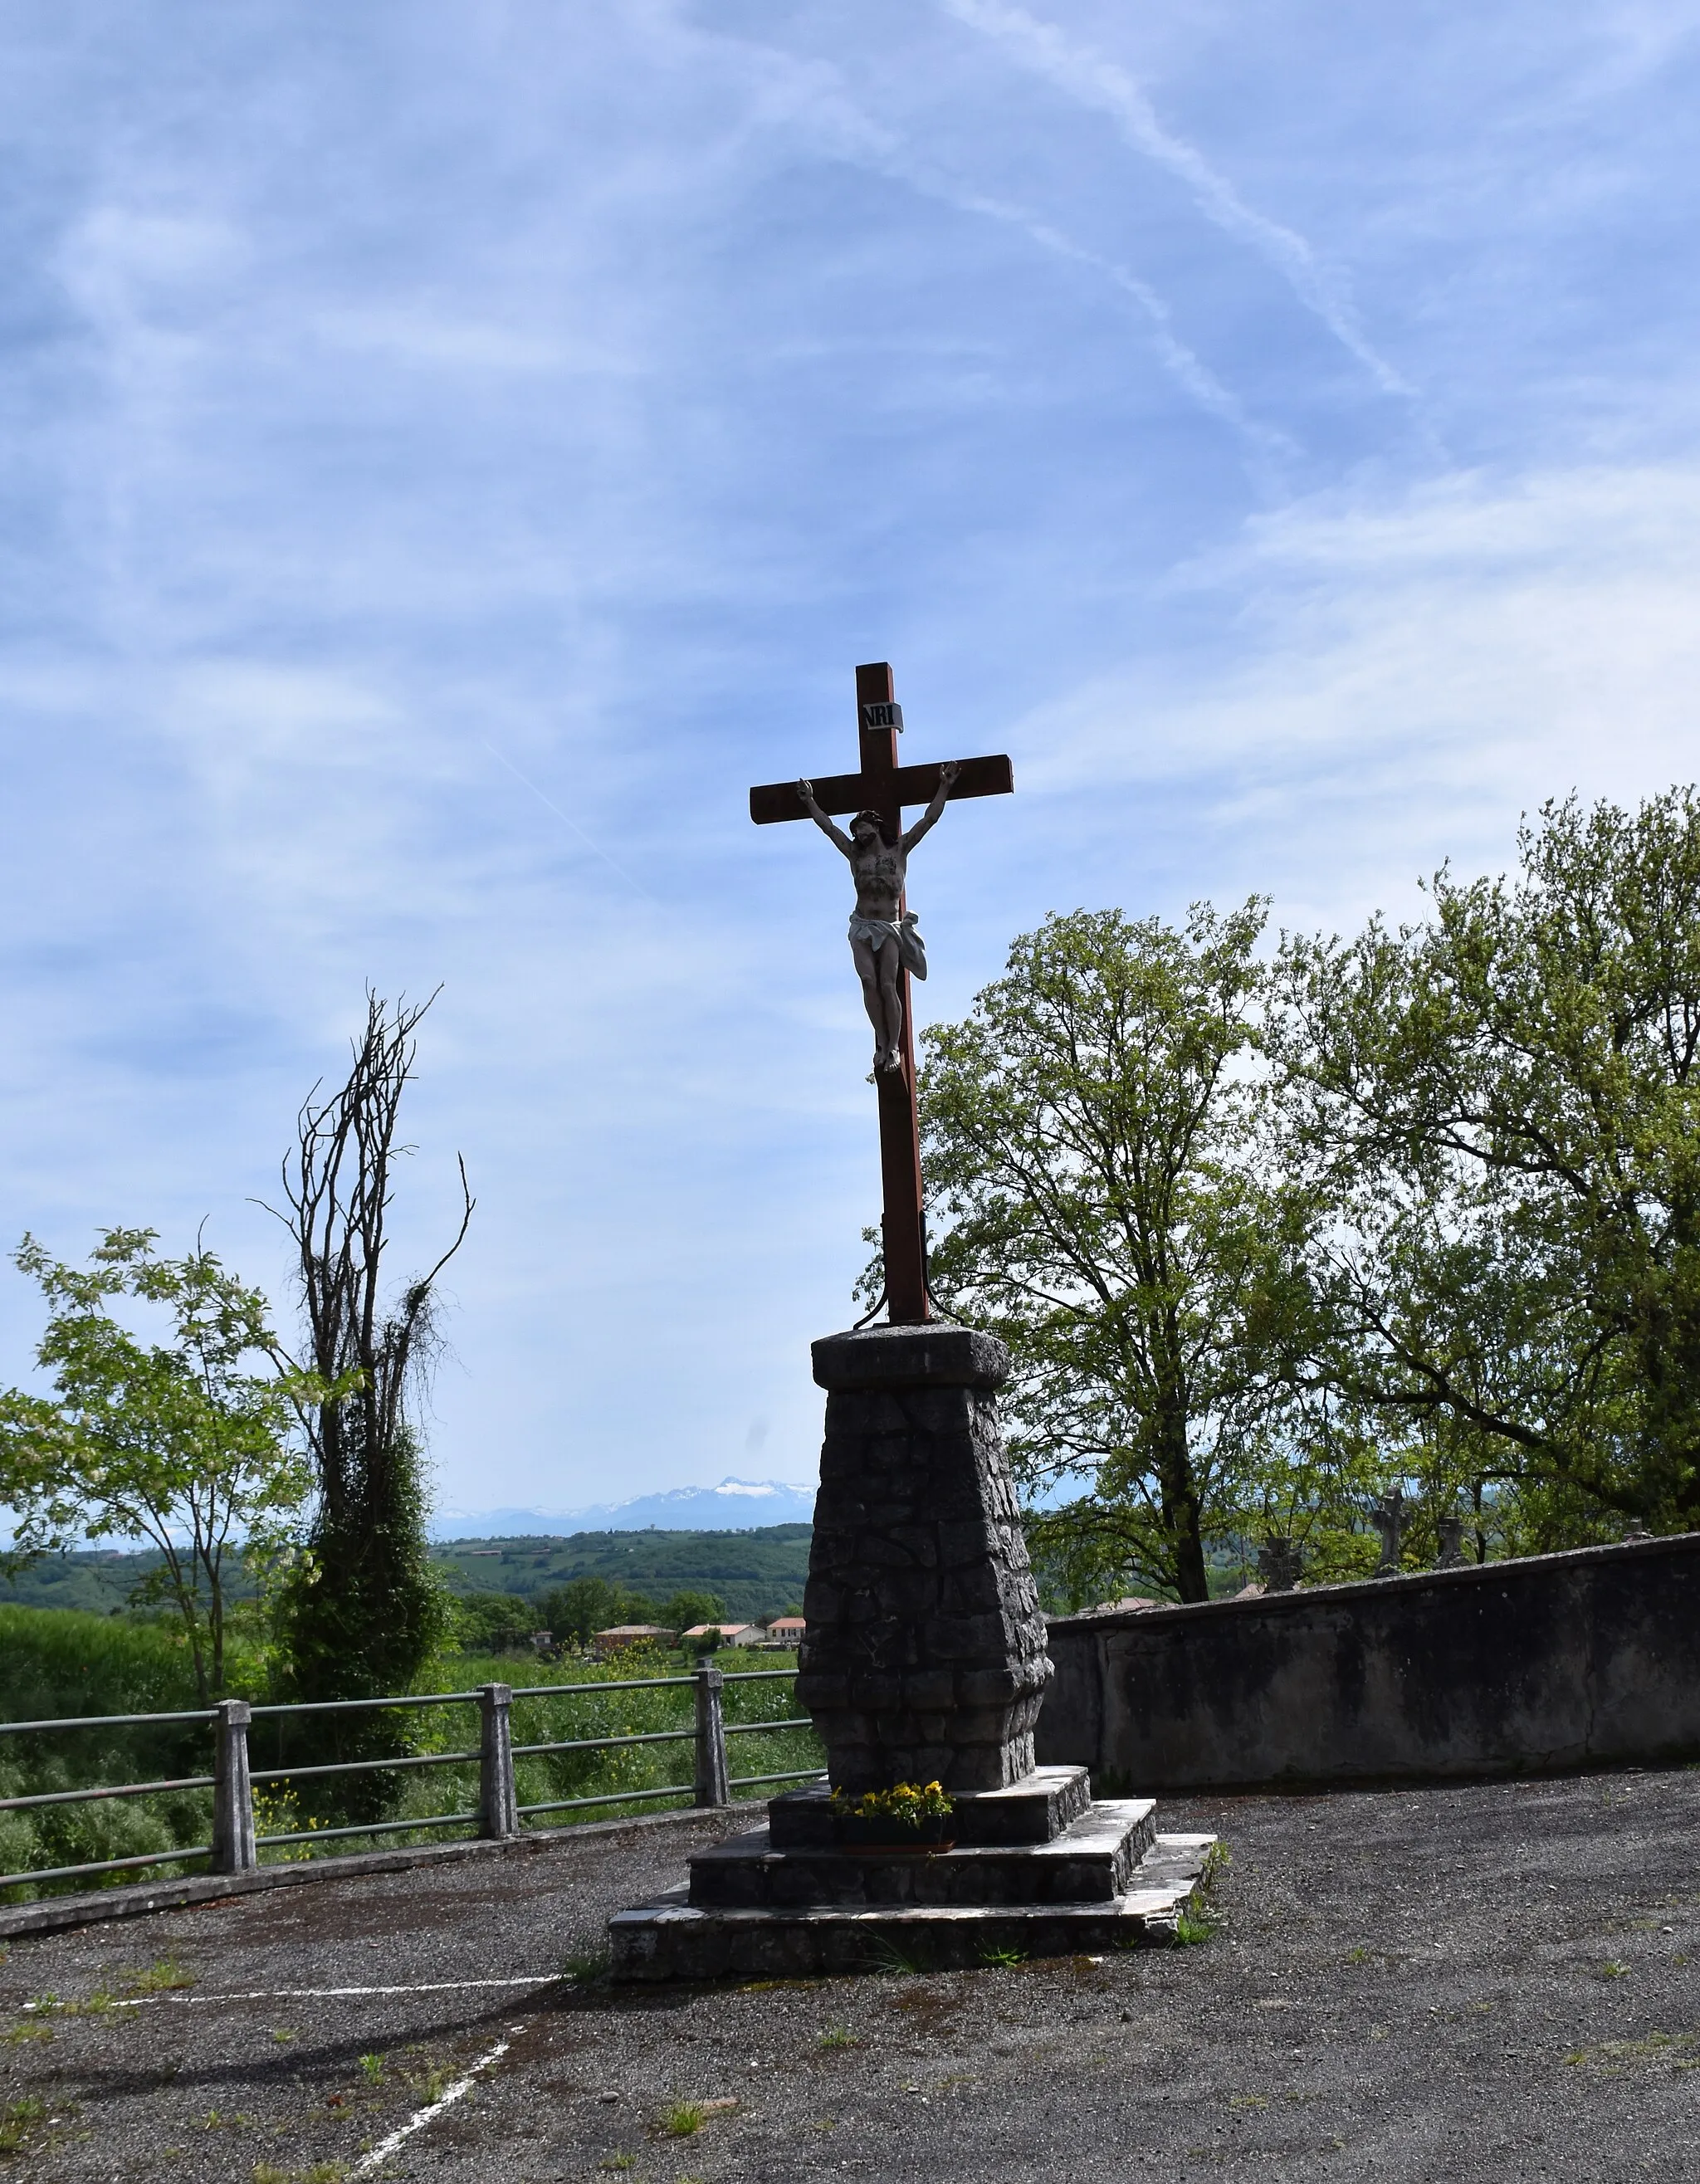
(731, 1634)
(624, 1636)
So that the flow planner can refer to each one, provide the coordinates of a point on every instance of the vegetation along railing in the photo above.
(498, 1815)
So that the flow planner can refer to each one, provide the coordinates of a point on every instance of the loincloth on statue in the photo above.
(911, 948)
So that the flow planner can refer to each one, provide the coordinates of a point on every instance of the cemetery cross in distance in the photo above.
(883, 787)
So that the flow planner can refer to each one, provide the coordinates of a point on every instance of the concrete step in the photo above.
(675, 1939)
(1033, 1810)
(1089, 1862)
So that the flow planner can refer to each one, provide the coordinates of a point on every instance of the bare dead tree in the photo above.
(338, 1182)
(366, 1614)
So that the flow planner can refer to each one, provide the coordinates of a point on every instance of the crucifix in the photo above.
(887, 946)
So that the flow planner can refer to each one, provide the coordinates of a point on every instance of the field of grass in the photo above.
(591, 1710)
(55, 1665)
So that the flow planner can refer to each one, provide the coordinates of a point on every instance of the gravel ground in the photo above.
(1496, 1981)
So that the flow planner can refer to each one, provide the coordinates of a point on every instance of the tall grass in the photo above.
(590, 1710)
(55, 1664)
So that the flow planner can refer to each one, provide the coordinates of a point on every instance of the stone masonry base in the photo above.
(674, 1938)
(925, 1655)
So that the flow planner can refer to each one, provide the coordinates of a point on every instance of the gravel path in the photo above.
(1489, 1982)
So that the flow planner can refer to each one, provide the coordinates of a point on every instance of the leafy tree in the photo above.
(1095, 1138)
(686, 1609)
(1503, 1100)
(174, 1442)
(575, 1613)
(495, 1622)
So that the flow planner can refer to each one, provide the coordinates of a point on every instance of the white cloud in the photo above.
(239, 722)
(1406, 675)
(120, 257)
(1097, 82)
(430, 340)
(1186, 368)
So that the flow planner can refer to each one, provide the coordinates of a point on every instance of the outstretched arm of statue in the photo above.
(836, 835)
(929, 817)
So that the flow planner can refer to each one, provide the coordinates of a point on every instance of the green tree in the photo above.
(495, 1622)
(575, 1612)
(1503, 1101)
(1095, 1139)
(177, 1442)
(688, 1607)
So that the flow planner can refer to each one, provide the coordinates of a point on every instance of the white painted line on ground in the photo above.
(314, 1993)
(381, 2152)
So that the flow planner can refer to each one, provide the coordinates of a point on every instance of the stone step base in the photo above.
(1033, 1810)
(1091, 1861)
(673, 1939)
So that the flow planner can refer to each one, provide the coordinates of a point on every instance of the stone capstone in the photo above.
(925, 1659)
(910, 1357)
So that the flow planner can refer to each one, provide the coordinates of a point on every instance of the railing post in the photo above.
(233, 1845)
(499, 1814)
(712, 1772)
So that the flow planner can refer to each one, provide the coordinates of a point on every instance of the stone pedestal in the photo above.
(925, 1660)
(925, 1656)
(1037, 1869)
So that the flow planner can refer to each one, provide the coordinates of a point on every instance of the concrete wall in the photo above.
(1542, 1665)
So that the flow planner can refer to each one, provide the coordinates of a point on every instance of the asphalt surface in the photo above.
(1496, 1981)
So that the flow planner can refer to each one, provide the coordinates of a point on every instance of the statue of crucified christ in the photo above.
(883, 938)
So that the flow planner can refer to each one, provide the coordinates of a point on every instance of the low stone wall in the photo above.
(1543, 1665)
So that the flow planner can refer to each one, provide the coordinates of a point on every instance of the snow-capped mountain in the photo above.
(736, 1505)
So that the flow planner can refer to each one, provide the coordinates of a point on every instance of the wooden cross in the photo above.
(884, 786)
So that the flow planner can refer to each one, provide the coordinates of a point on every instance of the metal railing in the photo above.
(498, 1815)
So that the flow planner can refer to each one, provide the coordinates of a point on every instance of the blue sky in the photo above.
(448, 451)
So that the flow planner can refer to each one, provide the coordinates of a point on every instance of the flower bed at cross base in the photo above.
(908, 1816)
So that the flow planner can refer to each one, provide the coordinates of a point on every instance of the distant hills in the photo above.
(757, 1571)
(746, 1540)
(736, 1505)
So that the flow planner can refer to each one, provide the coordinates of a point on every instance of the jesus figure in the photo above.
(881, 941)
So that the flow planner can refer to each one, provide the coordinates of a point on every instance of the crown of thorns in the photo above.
(876, 820)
